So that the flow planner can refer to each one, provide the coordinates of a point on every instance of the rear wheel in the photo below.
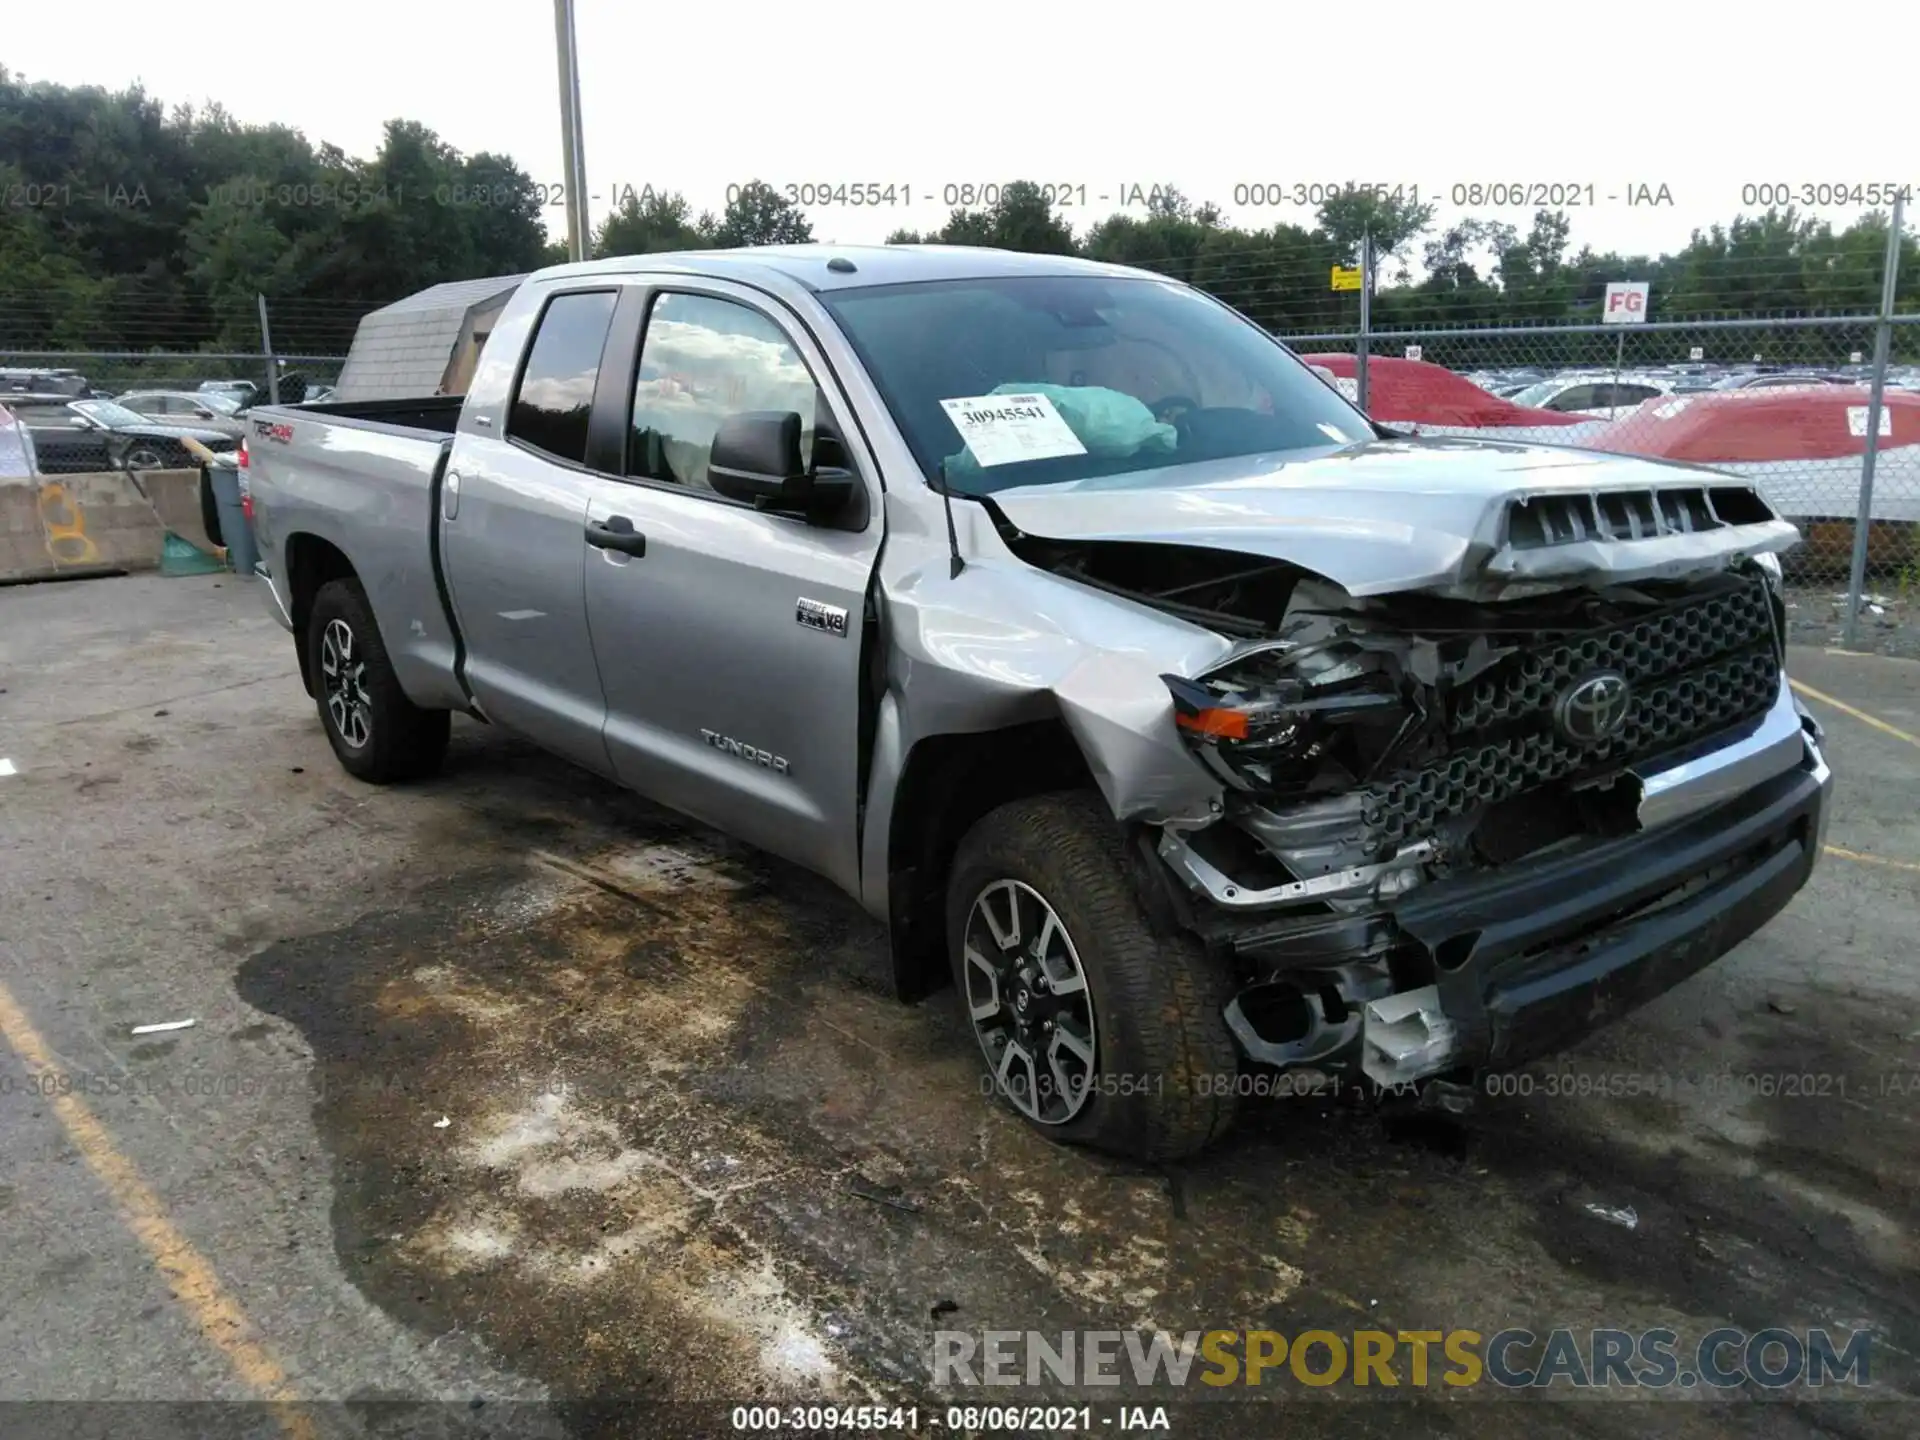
(1097, 1028)
(377, 733)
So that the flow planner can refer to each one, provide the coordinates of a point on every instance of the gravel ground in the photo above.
(1889, 622)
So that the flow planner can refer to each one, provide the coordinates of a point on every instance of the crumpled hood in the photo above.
(1468, 517)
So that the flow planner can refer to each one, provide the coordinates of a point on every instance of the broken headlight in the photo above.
(1292, 720)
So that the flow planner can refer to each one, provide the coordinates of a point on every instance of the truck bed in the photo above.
(363, 479)
(437, 413)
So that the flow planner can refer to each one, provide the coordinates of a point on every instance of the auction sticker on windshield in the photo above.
(1006, 429)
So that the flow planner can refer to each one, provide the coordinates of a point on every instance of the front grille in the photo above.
(1694, 670)
(1662, 644)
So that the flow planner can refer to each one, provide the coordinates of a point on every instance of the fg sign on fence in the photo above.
(1626, 303)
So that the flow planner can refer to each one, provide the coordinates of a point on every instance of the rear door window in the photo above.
(555, 397)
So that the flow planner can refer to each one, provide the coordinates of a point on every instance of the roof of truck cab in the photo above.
(873, 264)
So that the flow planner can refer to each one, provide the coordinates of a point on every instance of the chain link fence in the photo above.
(1820, 412)
(91, 410)
(1788, 403)
(142, 377)
(1785, 407)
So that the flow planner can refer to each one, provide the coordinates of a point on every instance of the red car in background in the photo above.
(1430, 399)
(1804, 445)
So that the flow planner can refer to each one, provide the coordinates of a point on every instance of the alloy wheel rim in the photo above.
(344, 676)
(144, 459)
(1028, 998)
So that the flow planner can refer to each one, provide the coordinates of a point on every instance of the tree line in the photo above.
(126, 225)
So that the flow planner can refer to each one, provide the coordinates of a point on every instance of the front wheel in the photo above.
(377, 733)
(1096, 1027)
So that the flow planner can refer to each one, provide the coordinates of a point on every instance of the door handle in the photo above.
(616, 532)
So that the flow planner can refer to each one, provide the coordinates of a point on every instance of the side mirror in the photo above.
(756, 458)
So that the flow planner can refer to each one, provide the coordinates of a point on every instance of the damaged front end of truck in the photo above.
(1461, 825)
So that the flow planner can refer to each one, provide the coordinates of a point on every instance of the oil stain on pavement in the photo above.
(635, 1107)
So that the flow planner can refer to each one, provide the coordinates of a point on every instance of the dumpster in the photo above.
(235, 531)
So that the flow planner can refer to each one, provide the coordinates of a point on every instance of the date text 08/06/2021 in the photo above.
(1066, 194)
(1137, 195)
(962, 1419)
(1516, 193)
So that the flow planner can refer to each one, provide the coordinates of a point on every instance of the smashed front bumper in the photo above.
(1486, 971)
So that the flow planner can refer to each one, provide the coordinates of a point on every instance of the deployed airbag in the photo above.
(1107, 423)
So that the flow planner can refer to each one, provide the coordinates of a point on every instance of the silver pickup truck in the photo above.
(1193, 726)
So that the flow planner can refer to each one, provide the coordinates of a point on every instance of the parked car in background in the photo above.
(1802, 445)
(18, 384)
(87, 435)
(1427, 399)
(17, 460)
(1778, 380)
(243, 391)
(1602, 397)
(206, 409)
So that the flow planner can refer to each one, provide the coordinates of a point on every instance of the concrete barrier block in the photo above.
(98, 524)
(175, 497)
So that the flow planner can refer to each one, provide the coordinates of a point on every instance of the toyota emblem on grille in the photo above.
(1592, 710)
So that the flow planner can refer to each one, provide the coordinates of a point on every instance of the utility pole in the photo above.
(573, 154)
(1366, 322)
(266, 348)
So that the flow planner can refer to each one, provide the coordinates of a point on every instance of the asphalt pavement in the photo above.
(512, 1103)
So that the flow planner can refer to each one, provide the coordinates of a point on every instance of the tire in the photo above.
(1161, 1085)
(377, 733)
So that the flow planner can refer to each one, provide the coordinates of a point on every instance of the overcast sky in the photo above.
(1701, 98)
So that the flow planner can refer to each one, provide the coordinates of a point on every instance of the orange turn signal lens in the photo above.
(1216, 724)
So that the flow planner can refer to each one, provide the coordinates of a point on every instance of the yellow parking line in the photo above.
(186, 1271)
(1845, 709)
(1871, 859)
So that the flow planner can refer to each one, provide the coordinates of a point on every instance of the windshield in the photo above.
(108, 412)
(217, 402)
(1044, 380)
(1538, 394)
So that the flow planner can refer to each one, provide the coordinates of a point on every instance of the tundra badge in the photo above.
(752, 754)
(815, 615)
